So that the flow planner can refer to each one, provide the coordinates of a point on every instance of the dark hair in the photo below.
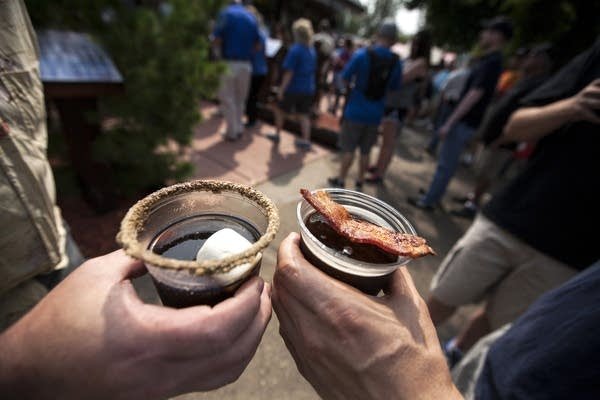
(420, 46)
(348, 42)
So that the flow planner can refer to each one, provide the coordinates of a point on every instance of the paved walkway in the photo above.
(272, 373)
(251, 160)
(280, 171)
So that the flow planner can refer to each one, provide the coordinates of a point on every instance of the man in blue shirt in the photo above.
(236, 38)
(259, 71)
(372, 71)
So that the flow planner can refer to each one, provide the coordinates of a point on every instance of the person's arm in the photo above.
(289, 65)
(92, 337)
(350, 69)
(285, 81)
(352, 346)
(533, 123)
(467, 102)
(417, 69)
(217, 34)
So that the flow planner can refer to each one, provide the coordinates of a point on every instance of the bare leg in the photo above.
(364, 165)
(305, 127)
(388, 131)
(347, 159)
(477, 328)
(438, 311)
(278, 116)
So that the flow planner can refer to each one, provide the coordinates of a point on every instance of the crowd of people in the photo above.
(529, 258)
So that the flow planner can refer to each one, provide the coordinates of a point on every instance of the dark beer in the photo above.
(182, 240)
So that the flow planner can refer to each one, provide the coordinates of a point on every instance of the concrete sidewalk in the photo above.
(272, 374)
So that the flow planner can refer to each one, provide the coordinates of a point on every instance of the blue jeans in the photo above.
(444, 111)
(448, 160)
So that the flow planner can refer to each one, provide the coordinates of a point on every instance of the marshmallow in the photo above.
(223, 243)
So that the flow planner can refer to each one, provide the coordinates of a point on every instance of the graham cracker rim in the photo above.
(137, 214)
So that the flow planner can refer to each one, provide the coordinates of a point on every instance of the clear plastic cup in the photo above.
(179, 210)
(370, 278)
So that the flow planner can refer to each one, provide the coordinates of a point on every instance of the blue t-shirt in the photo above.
(553, 350)
(358, 107)
(238, 30)
(302, 61)
(259, 58)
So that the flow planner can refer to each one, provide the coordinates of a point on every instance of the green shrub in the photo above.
(163, 58)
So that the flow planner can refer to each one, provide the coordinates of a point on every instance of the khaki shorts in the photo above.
(489, 264)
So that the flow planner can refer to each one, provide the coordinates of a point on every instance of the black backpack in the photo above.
(380, 71)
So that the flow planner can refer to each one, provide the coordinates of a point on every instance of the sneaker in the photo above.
(372, 169)
(231, 138)
(461, 199)
(336, 182)
(467, 160)
(374, 179)
(469, 210)
(419, 203)
(453, 354)
(274, 137)
(303, 144)
(358, 185)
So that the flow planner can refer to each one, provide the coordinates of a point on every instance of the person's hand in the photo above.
(352, 346)
(444, 130)
(92, 337)
(585, 105)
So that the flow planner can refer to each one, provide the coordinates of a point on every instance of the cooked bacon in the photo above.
(401, 244)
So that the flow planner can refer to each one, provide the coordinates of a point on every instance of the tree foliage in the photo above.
(162, 53)
(366, 25)
(571, 25)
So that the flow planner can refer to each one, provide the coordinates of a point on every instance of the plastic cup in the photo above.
(184, 208)
(369, 278)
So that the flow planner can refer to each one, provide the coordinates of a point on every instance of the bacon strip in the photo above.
(401, 244)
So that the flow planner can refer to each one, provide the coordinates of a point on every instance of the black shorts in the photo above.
(296, 103)
(355, 135)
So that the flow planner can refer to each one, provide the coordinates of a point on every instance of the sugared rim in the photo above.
(137, 214)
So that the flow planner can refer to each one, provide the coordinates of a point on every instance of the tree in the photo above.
(379, 11)
(162, 53)
(571, 25)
